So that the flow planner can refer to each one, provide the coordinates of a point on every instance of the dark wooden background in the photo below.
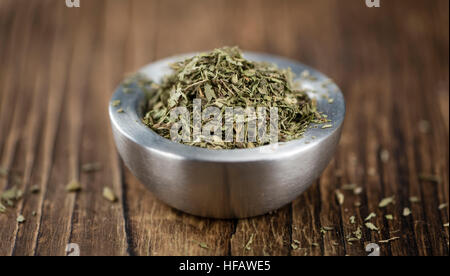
(59, 67)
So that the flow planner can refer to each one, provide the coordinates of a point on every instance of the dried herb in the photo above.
(20, 219)
(352, 219)
(414, 199)
(3, 172)
(424, 126)
(384, 156)
(249, 243)
(224, 78)
(91, 167)
(370, 216)
(109, 194)
(442, 206)
(73, 186)
(35, 189)
(371, 226)
(10, 196)
(325, 229)
(446, 225)
(386, 201)
(389, 217)
(120, 110)
(340, 197)
(2, 208)
(406, 212)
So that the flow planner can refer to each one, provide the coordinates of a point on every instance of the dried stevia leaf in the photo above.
(20, 219)
(386, 201)
(225, 78)
(340, 197)
(370, 216)
(389, 240)
(249, 243)
(73, 186)
(2, 208)
(406, 212)
(109, 194)
(389, 217)
(35, 189)
(91, 167)
(384, 155)
(352, 219)
(116, 103)
(414, 199)
(3, 172)
(371, 226)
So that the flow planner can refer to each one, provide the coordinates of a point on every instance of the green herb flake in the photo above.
(91, 167)
(73, 186)
(34, 213)
(2, 208)
(386, 201)
(116, 103)
(20, 219)
(225, 78)
(414, 199)
(249, 243)
(109, 194)
(340, 197)
(389, 217)
(370, 216)
(327, 126)
(406, 212)
(442, 206)
(352, 219)
(371, 226)
(389, 240)
(120, 110)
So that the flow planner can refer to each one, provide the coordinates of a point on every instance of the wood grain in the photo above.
(61, 65)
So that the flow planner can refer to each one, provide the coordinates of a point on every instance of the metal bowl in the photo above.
(227, 183)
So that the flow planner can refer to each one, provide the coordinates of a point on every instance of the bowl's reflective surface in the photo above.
(227, 183)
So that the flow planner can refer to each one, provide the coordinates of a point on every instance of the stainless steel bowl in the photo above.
(227, 183)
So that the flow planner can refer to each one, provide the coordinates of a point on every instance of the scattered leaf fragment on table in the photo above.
(73, 186)
(386, 201)
(20, 219)
(371, 226)
(109, 194)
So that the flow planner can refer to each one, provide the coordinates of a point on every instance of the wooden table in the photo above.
(60, 65)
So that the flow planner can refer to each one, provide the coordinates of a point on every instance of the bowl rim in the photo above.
(129, 123)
